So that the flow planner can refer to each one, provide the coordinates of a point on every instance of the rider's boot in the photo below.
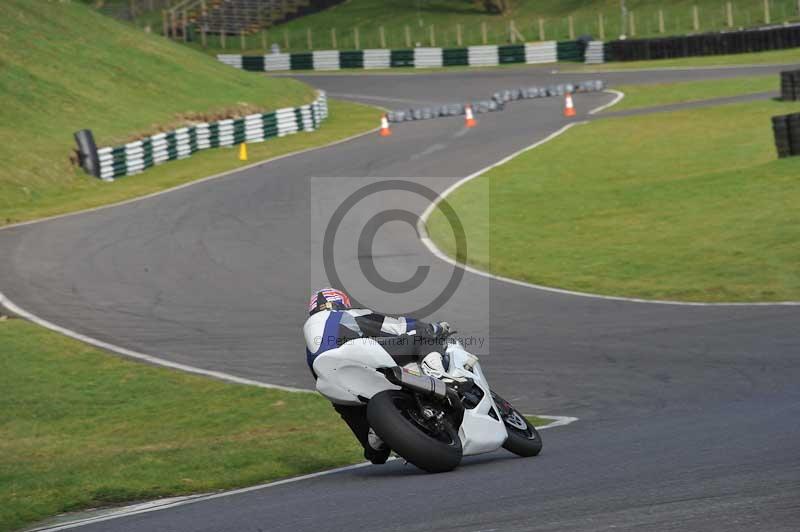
(376, 451)
(433, 365)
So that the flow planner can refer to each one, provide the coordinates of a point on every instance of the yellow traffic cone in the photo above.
(243, 151)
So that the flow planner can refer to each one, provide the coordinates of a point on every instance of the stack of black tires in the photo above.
(731, 42)
(790, 85)
(787, 134)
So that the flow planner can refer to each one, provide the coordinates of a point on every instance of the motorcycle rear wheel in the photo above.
(391, 415)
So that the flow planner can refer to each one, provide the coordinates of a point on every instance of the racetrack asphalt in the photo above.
(688, 413)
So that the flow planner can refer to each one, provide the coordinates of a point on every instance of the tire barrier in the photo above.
(374, 58)
(545, 52)
(790, 85)
(423, 57)
(496, 103)
(87, 152)
(572, 51)
(135, 157)
(595, 53)
(733, 42)
(787, 134)
(326, 60)
(428, 57)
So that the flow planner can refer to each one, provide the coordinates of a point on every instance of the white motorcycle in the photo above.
(430, 422)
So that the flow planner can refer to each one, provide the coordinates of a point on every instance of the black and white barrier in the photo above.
(422, 57)
(135, 157)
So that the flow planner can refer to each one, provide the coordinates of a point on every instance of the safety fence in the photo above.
(732, 42)
(422, 57)
(790, 85)
(135, 157)
(496, 103)
(787, 134)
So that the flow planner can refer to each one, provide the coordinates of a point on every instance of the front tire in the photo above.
(523, 438)
(391, 415)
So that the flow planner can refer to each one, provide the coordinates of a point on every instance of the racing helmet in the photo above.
(328, 299)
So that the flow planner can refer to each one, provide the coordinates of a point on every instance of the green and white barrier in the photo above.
(423, 57)
(135, 157)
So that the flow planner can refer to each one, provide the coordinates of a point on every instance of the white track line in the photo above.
(558, 421)
(173, 502)
(425, 239)
(615, 101)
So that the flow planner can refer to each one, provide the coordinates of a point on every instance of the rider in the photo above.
(333, 324)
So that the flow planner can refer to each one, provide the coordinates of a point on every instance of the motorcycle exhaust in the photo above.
(419, 383)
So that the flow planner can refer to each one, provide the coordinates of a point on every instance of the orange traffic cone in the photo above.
(569, 106)
(471, 122)
(385, 131)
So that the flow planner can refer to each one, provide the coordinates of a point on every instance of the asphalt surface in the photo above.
(688, 413)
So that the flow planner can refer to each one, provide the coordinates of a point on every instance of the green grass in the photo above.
(689, 205)
(638, 96)
(444, 15)
(80, 428)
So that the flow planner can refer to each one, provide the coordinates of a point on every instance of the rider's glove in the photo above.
(440, 329)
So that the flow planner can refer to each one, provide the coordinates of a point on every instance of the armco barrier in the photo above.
(733, 42)
(134, 157)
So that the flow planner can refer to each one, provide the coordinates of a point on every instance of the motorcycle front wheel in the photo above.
(523, 438)
(394, 416)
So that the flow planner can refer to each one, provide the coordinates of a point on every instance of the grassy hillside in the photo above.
(395, 15)
(64, 67)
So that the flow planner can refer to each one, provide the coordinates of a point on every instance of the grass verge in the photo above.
(639, 96)
(82, 429)
(689, 205)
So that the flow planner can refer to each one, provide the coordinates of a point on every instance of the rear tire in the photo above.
(385, 413)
